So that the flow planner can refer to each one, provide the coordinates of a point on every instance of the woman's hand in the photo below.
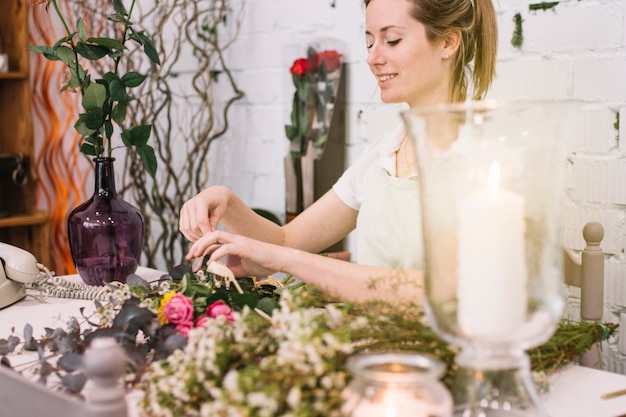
(203, 212)
(244, 256)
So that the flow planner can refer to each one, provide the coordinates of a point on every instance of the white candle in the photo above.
(492, 273)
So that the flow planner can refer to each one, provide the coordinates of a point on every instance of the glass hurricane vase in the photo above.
(105, 232)
(492, 183)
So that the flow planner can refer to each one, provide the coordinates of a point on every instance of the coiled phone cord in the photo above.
(49, 285)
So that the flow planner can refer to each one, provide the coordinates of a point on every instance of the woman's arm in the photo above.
(340, 279)
(326, 222)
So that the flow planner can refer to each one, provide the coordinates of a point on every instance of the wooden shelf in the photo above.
(36, 218)
(13, 75)
(27, 228)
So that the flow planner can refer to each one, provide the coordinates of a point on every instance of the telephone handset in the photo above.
(18, 267)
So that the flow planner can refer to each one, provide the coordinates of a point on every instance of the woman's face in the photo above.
(408, 67)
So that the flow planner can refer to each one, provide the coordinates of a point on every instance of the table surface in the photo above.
(574, 391)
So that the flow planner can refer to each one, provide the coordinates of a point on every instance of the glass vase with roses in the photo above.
(316, 79)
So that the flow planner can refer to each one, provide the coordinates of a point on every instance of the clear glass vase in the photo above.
(105, 232)
(492, 178)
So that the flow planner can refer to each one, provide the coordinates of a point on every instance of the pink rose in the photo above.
(183, 328)
(202, 321)
(179, 309)
(220, 308)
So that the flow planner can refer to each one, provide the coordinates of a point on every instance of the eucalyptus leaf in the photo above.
(73, 382)
(70, 361)
(137, 281)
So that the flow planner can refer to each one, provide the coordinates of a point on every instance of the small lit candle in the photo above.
(395, 384)
(492, 275)
(398, 402)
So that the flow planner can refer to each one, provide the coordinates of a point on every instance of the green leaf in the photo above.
(291, 132)
(146, 153)
(93, 118)
(91, 52)
(132, 79)
(106, 42)
(119, 7)
(110, 77)
(267, 305)
(82, 30)
(66, 55)
(81, 127)
(94, 96)
(108, 128)
(118, 114)
(47, 51)
(138, 135)
(88, 149)
(148, 46)
(117, 90)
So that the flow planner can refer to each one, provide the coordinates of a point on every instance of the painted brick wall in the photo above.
(577, 50)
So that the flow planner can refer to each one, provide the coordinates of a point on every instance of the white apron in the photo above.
(389, 228)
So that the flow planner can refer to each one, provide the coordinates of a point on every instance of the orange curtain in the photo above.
(63, 172)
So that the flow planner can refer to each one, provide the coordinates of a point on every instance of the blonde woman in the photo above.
(421, 52)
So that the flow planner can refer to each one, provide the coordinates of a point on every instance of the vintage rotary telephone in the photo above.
(22, 275)
(18, 267)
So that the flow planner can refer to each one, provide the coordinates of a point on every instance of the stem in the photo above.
(70, 40)
(117, 63)
(67, 28)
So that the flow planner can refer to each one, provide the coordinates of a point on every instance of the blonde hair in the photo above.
(475, 20)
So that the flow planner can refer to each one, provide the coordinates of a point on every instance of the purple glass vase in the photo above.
(105, 232)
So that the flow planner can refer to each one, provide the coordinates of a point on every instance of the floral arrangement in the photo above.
(316, 79)
(205, 344)
(105, 100)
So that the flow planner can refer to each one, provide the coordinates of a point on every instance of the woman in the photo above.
(420, 53)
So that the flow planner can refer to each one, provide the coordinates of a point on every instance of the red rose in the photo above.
(300, 67)
(179, 309)
(331, 59)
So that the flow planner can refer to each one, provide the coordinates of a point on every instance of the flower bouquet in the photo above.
(316, 77)
(207, 344)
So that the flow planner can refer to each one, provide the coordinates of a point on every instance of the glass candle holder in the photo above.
(492, 193)
(396, 384)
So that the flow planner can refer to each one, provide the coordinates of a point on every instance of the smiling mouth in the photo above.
(383, 78)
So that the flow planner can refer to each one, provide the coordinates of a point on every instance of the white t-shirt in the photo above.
(389, 232)
(353, 184)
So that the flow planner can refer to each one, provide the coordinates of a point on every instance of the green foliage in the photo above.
(544, 5)
(105, 100)
(518, 37)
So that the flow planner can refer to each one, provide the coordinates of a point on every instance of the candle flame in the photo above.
(493, 178)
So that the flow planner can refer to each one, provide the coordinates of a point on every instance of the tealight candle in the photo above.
(396, 384)
(492, 273)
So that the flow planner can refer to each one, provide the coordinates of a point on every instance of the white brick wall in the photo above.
(576, 51)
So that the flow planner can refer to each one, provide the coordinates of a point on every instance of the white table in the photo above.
(574, 391)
